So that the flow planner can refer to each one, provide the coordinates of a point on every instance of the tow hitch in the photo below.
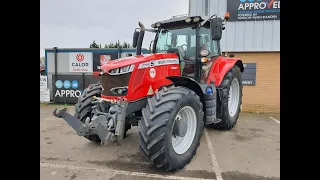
(108, 126)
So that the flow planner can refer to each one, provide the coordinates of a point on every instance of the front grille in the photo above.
(112, 81)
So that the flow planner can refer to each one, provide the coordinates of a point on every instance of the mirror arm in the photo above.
(151, 30)
(204, 22)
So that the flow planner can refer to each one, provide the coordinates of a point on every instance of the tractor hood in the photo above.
(122, 62)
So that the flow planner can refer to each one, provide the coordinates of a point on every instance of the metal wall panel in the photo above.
(50, 85)
(63, 64)
(244, 36)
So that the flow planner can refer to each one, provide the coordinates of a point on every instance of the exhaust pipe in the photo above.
(140, 39)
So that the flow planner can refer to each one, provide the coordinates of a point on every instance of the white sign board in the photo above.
(43, 82)
(44, 95)
(80, 62)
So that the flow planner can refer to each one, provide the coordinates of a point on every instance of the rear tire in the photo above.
(230, 115)
(155, 127)
(83, 108)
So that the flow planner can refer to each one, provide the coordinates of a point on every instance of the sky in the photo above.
(76, 23)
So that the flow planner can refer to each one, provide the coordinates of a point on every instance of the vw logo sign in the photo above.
(66, 84)
(74, 84)
(59, 84)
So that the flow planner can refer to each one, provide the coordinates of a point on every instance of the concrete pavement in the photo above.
(249, 151)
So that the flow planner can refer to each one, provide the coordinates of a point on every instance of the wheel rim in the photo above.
(182, 144)
(233, 101)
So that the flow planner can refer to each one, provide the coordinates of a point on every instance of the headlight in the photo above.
(119, 90)
(122, 70)
(114, 71)
(204, 59)
(188, 20)
(204, 53)
(196, 19)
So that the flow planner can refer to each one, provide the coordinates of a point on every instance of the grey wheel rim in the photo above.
(234, 95)
(182, 144)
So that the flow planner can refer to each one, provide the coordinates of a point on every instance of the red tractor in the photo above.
(171, 94)
(42, 71)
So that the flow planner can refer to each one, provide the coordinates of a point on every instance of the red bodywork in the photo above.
(140, 80)
(42, 71)
(219, 67)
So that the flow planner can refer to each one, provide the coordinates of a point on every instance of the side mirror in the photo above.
(204, 53)
(135, 38)
(216, 28)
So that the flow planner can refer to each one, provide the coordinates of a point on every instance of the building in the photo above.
(253, 34)
(70, 70)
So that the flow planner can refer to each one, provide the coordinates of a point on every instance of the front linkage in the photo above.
(108, 125)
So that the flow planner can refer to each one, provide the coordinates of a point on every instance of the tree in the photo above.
(42, 63)
(94, 45)
(113, 45)
(126, 45)
(110, 45)
(117, 44)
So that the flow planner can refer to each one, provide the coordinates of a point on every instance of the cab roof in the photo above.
(179, 20)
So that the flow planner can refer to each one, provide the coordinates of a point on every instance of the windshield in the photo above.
(184, 39)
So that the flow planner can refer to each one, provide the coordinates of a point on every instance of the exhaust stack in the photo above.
(140, 38)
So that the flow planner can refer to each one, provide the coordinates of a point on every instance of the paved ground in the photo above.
(249, 151)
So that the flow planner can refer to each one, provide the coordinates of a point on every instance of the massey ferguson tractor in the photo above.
(171, 94)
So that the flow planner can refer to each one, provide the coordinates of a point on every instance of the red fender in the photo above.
(220, 67)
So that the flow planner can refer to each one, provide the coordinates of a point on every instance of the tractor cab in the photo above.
(190, 37)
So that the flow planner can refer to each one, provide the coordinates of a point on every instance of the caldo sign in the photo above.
(258, 5)
(80, 62)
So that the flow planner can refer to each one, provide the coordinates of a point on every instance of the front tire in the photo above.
(231, 92)
(83, 108)
(158, 121)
